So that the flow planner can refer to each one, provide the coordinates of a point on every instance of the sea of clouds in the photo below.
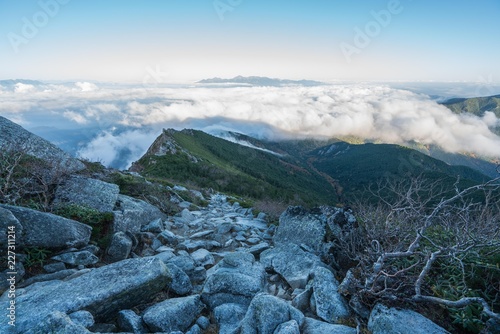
(122, 121)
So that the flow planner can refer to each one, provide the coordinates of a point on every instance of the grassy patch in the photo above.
(101, 222)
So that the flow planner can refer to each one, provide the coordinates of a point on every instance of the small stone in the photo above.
(175, 314)
(228, 317)
(201, 234)
(165, 256)
(155, 226)
(289, 327)
(203, 257)
(203, 322)
(224, 228)
(129, 321)
(253, 240)
(195, 329)
(180, 284)
(168, 238)
(199, 275)
(77, 258)
(259, 248)
(83, 318)
(120, 247)
(53, 267)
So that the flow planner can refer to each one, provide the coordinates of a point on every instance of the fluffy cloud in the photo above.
(374, 112)
(86, 86)
(118, 149)
(23, 88)
(75, 117)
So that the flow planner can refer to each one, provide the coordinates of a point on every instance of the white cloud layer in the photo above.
(86, 86)
(368, 111)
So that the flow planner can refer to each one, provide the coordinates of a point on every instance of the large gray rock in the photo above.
(59, 275)
(313, 326)
(237, 279)
(384, 320)
(119, 248)
(176, 314)
(87, 192)
(9, 223)
(228, 317)
(131, 213)
(301, 227)
(13, 137)
(103, 292)
(57, 322)
(266, 313)
(292, 263)
(45, 230)
(330, 305)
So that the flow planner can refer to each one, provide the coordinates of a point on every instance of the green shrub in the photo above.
(36, 256)
(101, 222)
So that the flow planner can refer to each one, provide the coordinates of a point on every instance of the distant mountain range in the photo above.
(261, 81)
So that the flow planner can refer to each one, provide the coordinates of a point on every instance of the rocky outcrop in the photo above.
(103, 292)
(292, 263)
(16, 138)
(384, 320)
(131, 213)
(301, 227)
(45, 230)
(87, 192)
(236, 280)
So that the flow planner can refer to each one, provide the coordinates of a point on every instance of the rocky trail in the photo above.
(214, 269)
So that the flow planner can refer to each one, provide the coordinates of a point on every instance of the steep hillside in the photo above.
(304, 171)
(196, 158)
(355, 167)
(476, 105)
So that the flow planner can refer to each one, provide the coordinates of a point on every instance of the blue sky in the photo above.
(187, 40)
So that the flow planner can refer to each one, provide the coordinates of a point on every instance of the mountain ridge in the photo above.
(307, 170)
